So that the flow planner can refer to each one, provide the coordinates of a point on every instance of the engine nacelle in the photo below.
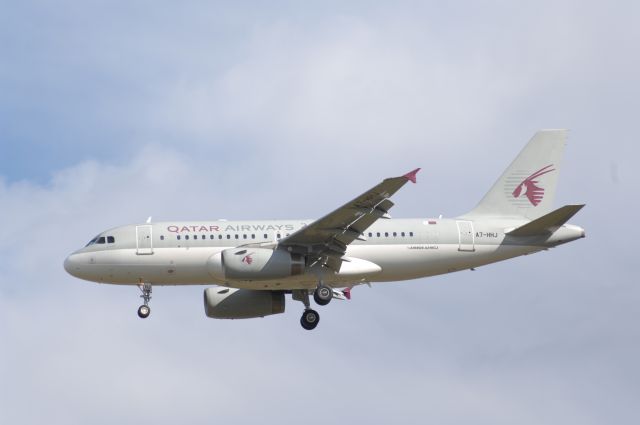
(230, 303)
(254, 264)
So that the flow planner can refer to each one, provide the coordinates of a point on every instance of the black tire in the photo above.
(310, 319)
(323, 295)
(144, 311)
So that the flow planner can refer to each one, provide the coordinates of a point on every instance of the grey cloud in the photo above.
(201, 112)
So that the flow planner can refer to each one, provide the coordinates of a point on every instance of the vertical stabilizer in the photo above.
(528, 186)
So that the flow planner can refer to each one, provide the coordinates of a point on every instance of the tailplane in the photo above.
(546, 224)
(528, 186)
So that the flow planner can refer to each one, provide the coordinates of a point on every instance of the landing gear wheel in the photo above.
(144, 311)
(322, 295)
(310, 319)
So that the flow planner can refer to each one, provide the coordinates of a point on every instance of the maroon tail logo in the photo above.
(529, 186)
(248, 259)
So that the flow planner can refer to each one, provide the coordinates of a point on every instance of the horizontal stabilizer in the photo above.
(548, 223)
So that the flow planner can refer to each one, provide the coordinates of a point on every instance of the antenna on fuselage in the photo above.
(149, 220)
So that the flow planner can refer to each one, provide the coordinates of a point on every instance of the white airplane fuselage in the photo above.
(179, 253)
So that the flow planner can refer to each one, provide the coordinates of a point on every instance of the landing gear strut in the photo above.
(144, 310)
(310, 318)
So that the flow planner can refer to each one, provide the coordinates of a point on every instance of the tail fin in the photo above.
(527, 188)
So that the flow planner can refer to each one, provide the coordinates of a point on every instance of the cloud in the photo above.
(202, 112)
(527, 338)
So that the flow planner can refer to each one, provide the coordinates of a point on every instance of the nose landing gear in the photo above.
(144, 310)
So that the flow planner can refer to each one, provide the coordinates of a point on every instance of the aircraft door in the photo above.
(144, 240)
(465, 236)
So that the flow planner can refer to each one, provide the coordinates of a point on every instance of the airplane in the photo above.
(254, 264)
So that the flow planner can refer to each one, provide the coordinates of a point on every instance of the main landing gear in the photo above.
(310, 319)
(144, 310)
(322, 296)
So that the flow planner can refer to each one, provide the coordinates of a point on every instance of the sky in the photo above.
(114, 111)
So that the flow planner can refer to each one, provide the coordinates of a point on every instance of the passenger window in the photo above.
(265, 236)
(386, 234)
(178, 237)
(100, 240)
(402, 234)
(411, 234)
(228, 236)
(161, 238)
(237, 236)
(378, 234)
(395, 234)
(253, 236)
(244, 236)
(370, 234)
(219, 236)
(111, 239)
(186, 237)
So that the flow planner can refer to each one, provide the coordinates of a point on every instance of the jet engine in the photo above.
(230, 303)
(254, 264)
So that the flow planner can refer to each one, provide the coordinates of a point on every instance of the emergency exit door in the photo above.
(466, 237)
(144, 240)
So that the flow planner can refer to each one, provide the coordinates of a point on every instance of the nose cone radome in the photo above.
(72, 265)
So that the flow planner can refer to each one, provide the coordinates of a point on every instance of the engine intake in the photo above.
(231, 303)
(254, 264)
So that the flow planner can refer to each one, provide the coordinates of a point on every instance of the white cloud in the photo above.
(290, 117)
(527, 339)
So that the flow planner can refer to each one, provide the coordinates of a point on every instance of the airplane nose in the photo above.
(71, 265)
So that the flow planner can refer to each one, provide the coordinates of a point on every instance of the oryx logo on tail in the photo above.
(529, 186)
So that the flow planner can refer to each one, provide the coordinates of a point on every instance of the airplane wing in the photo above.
(325, 240)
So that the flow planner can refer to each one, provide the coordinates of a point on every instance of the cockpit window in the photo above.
(92, 241)
(101, 240)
